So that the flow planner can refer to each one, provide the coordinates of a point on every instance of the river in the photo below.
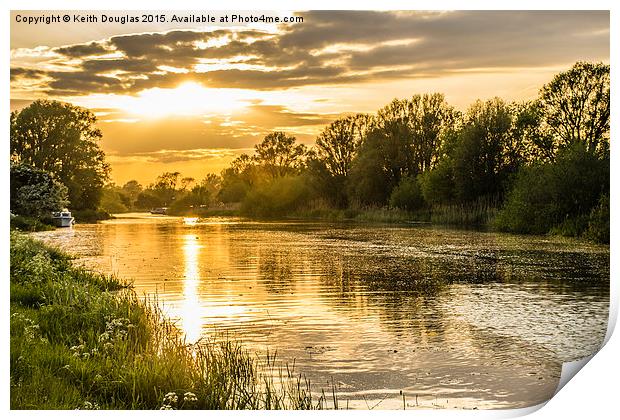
(452, 318)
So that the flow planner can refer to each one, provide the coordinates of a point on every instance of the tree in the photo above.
(186, 182)
(279, 155)
(338, 143)
(330, 162)
(531, 140)
(430, 117)
(480, 156)
(237, 179)
(62, 139)
(132, 189)
(576, 106)
(165, 187)
(34, 192)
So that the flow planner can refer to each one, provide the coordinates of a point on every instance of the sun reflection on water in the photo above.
(190, 307)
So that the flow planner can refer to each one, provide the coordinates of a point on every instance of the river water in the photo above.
(452, 318)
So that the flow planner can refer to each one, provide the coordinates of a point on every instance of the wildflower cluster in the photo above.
(89, 406)
(116, 330)
(81, 351)
(171, 400)
(31, 330)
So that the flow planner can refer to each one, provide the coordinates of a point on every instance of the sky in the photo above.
(190, 97)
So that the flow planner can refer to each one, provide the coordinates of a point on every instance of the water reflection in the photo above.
(473, 319)
(190, 310)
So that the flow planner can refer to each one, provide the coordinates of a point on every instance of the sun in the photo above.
(187, 99)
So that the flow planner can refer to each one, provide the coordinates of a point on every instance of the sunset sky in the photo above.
(192, 97)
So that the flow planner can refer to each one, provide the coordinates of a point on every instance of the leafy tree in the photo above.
(34, 192)
(480, 156)
(237, 179)
(384, 158)
(114, 199)
(330, 162)
(278, 154)
(165, 187)
(338, 143)
(576, 106)
(62, 139)
(406, 139)
(430, 117)
(186, 182)
(132, 189)
(530, 140)
(437, 185)
(147, 200)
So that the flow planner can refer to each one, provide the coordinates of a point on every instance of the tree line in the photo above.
(536, 166)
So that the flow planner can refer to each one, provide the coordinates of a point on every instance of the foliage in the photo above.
(575, 106)
(29, 224)
(549, 194)
(61, 139)
(90, 216)
(598, 223)
(34, 192)
(275, 157)
(277, 198)
(437, 185)
(114, 200)
(407, 195)
(481, 157)
(278, 155)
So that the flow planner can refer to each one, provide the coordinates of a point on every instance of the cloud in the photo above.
(173, 156)
(328, 48)
(24, 73)
(82, 50)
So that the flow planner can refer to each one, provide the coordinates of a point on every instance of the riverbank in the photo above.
(33, 224)
(84, 340)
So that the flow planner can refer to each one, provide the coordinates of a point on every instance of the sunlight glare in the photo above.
(187, 99)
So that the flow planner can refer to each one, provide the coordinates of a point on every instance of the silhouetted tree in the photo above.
(576, 106)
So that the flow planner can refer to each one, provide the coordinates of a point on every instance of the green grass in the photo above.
(83, 340)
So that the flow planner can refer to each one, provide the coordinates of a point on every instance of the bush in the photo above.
(598, 224)
(556, 194)
(277, 198)
(407, 195)
(34, 192)
(91, 216)
(437, 185)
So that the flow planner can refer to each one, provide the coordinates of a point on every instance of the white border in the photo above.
(592, 394)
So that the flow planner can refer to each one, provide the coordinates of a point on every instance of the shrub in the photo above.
(276, 198)
(437, 185)
(34, 192)
(555, 194)
(598, 223)
(407, 195)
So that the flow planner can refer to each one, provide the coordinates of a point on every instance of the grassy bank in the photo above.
(84, 340)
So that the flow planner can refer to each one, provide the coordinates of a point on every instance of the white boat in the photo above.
(159, 210)
(63, 218)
